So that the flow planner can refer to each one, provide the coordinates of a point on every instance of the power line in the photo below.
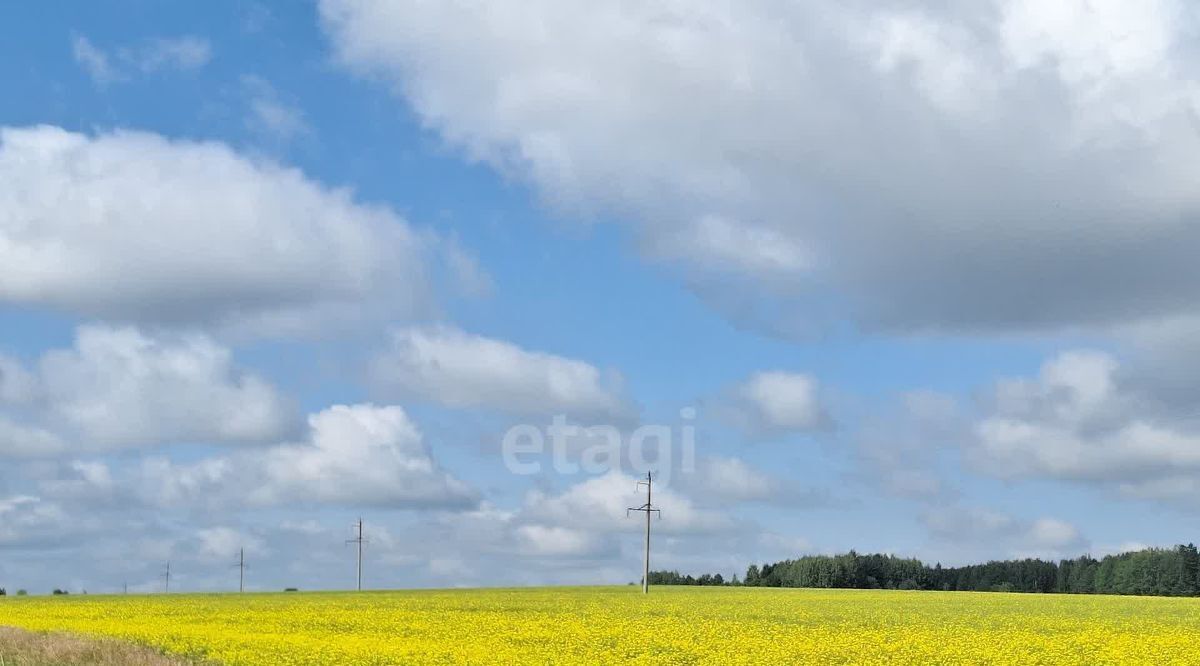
(167, 579)
(360, 541)
(648, 509)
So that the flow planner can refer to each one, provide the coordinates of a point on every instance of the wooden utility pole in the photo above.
(241, 565)
(648, 509)
(360, 541)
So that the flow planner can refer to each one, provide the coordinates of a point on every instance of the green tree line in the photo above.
(1153, 571)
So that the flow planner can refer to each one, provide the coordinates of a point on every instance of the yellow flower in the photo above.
(681, 625)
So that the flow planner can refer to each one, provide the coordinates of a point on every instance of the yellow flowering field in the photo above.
(617, 625)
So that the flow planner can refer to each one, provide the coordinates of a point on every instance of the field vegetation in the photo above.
(25, 648)
(618, 625)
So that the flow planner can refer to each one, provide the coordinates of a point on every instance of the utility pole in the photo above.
(167, 579)
(241, 565)
(360, 541)
(648, 509)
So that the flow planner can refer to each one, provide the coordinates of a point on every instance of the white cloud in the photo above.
(1053, 533)
(898, 446)
(133, 226)
(360, 454)
(585, 522)
(605, 501)
(86, 483)
(776, 402)
(1082, 420)
(120, 388)
(93, 60)
(729, 479)
(29, 521)
(459, 369)
(184, 52)
(1123, 547)
(920, 166)
(222, 543)
(19, 440)
(16, 383)
(153, 55)
(971, 523)
(981, 530)
(541, 540)
(206, 482)
(1076, 38)
(469, 277)
(271, 115)
(353, 455)
(579, 534)
(730, 246)
(732, 478)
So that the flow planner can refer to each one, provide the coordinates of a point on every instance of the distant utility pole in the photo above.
(648, 509)
(360, 541)
(167, 578)
(241, 565)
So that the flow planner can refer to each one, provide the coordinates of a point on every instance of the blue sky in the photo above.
(923, 274)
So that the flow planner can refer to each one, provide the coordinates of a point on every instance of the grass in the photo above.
(618, 625)
(27, 648)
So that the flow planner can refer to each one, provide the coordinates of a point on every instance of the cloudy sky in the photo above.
(915, 277)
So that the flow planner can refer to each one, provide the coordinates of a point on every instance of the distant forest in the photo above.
(1155, 571)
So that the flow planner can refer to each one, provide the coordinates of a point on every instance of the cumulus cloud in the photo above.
(775, 402)
(1082, 419)
(119, 388)
(361, 455)
(556, 541)
(219, 543)
(586, 522)
(1018, 164)
(575, 534)
(605, 500)
(132, 226)
(459, 369)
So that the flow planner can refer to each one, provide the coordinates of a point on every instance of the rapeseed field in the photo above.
(613, 625)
